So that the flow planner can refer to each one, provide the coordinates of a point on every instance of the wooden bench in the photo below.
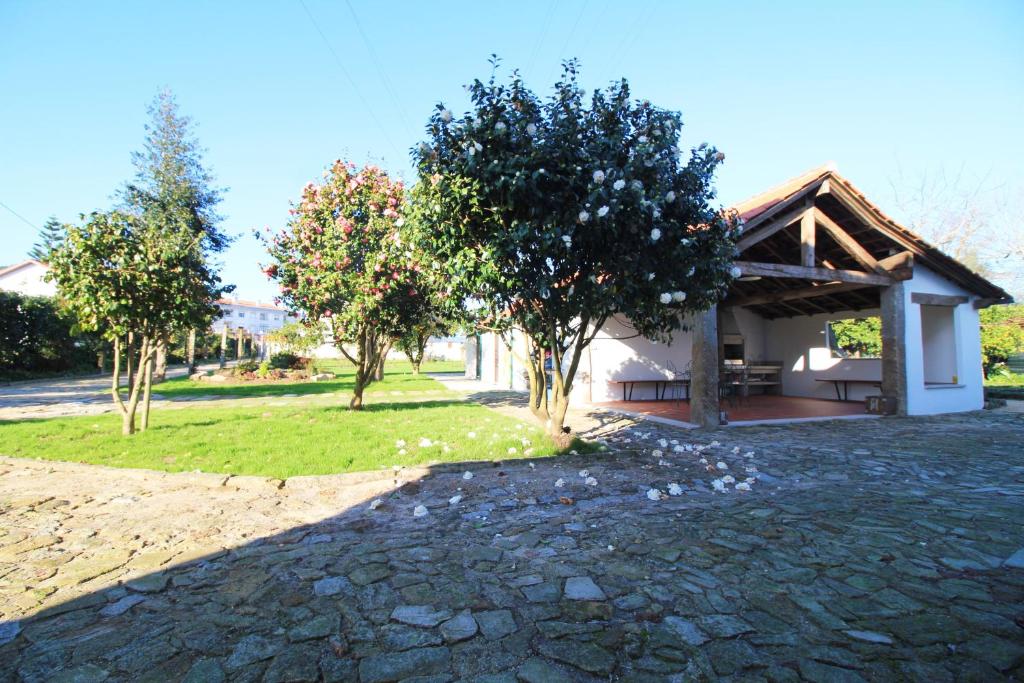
(846, 382)
(660, 387)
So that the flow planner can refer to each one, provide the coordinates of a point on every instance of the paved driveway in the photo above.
(873, 550)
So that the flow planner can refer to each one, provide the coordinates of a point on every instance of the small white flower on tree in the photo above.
(498, 227)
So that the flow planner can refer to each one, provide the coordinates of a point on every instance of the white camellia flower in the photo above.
(656, 453)
(670, 196)
(512, 451)
(721, 465)
(642, 139)
(426, 443)
(454, 500)
(729, 479)
(419, 511)
(650, 276)
(653, 494)
(584, 474)
(602, 212)
(467, 475)
(568, 240)
(735, 272)
(531, 129)
(619, 184)
(478, 146)
(637, 185)
(584, 216)
(743, 486)
(598, 177)
(692, 269)
(665, 298)
(663, 443)
(718, 485)
(471, 151)
(471, 435)
(499, 127)
(400, 443)
(446, 115)
(655, 235)
(675, 490)
(590, 481)
(678, 297)
(376, 503)
(559, 483)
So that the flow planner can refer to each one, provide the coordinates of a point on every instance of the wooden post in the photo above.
(704, 404)
(807, 224)
(894, 345)
(223, 345)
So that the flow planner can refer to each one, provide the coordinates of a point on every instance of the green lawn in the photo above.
(281, 441)
(1005, 384)
(398, 377)
(283, 438)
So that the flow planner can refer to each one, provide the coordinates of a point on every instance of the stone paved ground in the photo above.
(870, 550)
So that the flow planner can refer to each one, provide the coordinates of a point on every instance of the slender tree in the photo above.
(50, 237)
(554, 215)
(342, 258)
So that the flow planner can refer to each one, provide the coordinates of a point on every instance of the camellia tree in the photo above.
(133, 281)
(551, 216)
(343, 258)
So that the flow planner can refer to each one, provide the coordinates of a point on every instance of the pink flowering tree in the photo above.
(343, 259)
(552, 215)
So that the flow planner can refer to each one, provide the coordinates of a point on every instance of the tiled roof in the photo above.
(18, 266)
(250, 304)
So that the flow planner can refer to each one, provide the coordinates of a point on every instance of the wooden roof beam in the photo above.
(752, 237)
(817, 274)
(795, 294)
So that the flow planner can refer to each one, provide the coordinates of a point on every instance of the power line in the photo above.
(540, 40)
(348, 76)
(572, 31)
(380, 70)
(20, 217)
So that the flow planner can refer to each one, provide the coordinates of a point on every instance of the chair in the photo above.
(734, 383)
(680, 381)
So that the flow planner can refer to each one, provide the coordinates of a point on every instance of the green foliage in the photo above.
(245, 366)
(554, 215)
(37, 337)
(264, 370)
(1002, 334)
(856, 337)
(298, 338)
(50, 237)
(285, 361)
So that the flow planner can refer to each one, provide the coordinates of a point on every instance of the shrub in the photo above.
(264, 370)
(245, 367)
(285, 361)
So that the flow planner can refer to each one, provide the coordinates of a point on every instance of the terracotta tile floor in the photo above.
(752, 408)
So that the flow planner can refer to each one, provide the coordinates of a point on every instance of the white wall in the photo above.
(969, 393)
(801, 345)
(28, 280)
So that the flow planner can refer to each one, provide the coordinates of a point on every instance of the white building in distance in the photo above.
(255, 317)
(27, 278)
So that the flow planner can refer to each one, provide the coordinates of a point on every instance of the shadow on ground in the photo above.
(879, 551)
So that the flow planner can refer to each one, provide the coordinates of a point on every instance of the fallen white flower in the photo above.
(584, 474)
(471, 435)
(376, 503)
(656, 453)
(743, 486)
(400, 443)
(663, 443)
(721, 465)
(454, 500)
(512, 451)
(467, 475)
(402, 451)
(735, 450)
(653, 494)
(590, 481)
(419, 511)
(664, 463)
(426, 443)
(611, 547)
(675, 490)
(718, 485)
(729, 479)
(559, 483)
(532, 466)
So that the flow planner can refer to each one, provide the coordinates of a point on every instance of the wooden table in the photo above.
(660, 387)
(846, 382)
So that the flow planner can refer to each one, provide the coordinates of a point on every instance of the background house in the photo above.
(814, 250)
(27, 278)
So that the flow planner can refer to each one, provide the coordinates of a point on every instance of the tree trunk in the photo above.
(190, 352)
(378, 370)
(159, 370)
(147, 378)
(223, 346)
(101, 361)
(130, 361)
(128, 410)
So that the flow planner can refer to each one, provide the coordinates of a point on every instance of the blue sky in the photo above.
(884, 89)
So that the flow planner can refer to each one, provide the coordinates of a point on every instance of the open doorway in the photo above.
(938, 344)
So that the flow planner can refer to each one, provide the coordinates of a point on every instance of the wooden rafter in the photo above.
(807, 237)
(795, 294)
(817, 274)
(750, 238)
(846, 241)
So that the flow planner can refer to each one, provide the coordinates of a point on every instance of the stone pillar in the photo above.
(704, 406)
(241, 341)
(894, 345)
(223, 345)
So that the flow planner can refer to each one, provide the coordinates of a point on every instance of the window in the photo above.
(855, 337)
(938, 344)
(241, 314)
(263, 316)
(227, 312)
